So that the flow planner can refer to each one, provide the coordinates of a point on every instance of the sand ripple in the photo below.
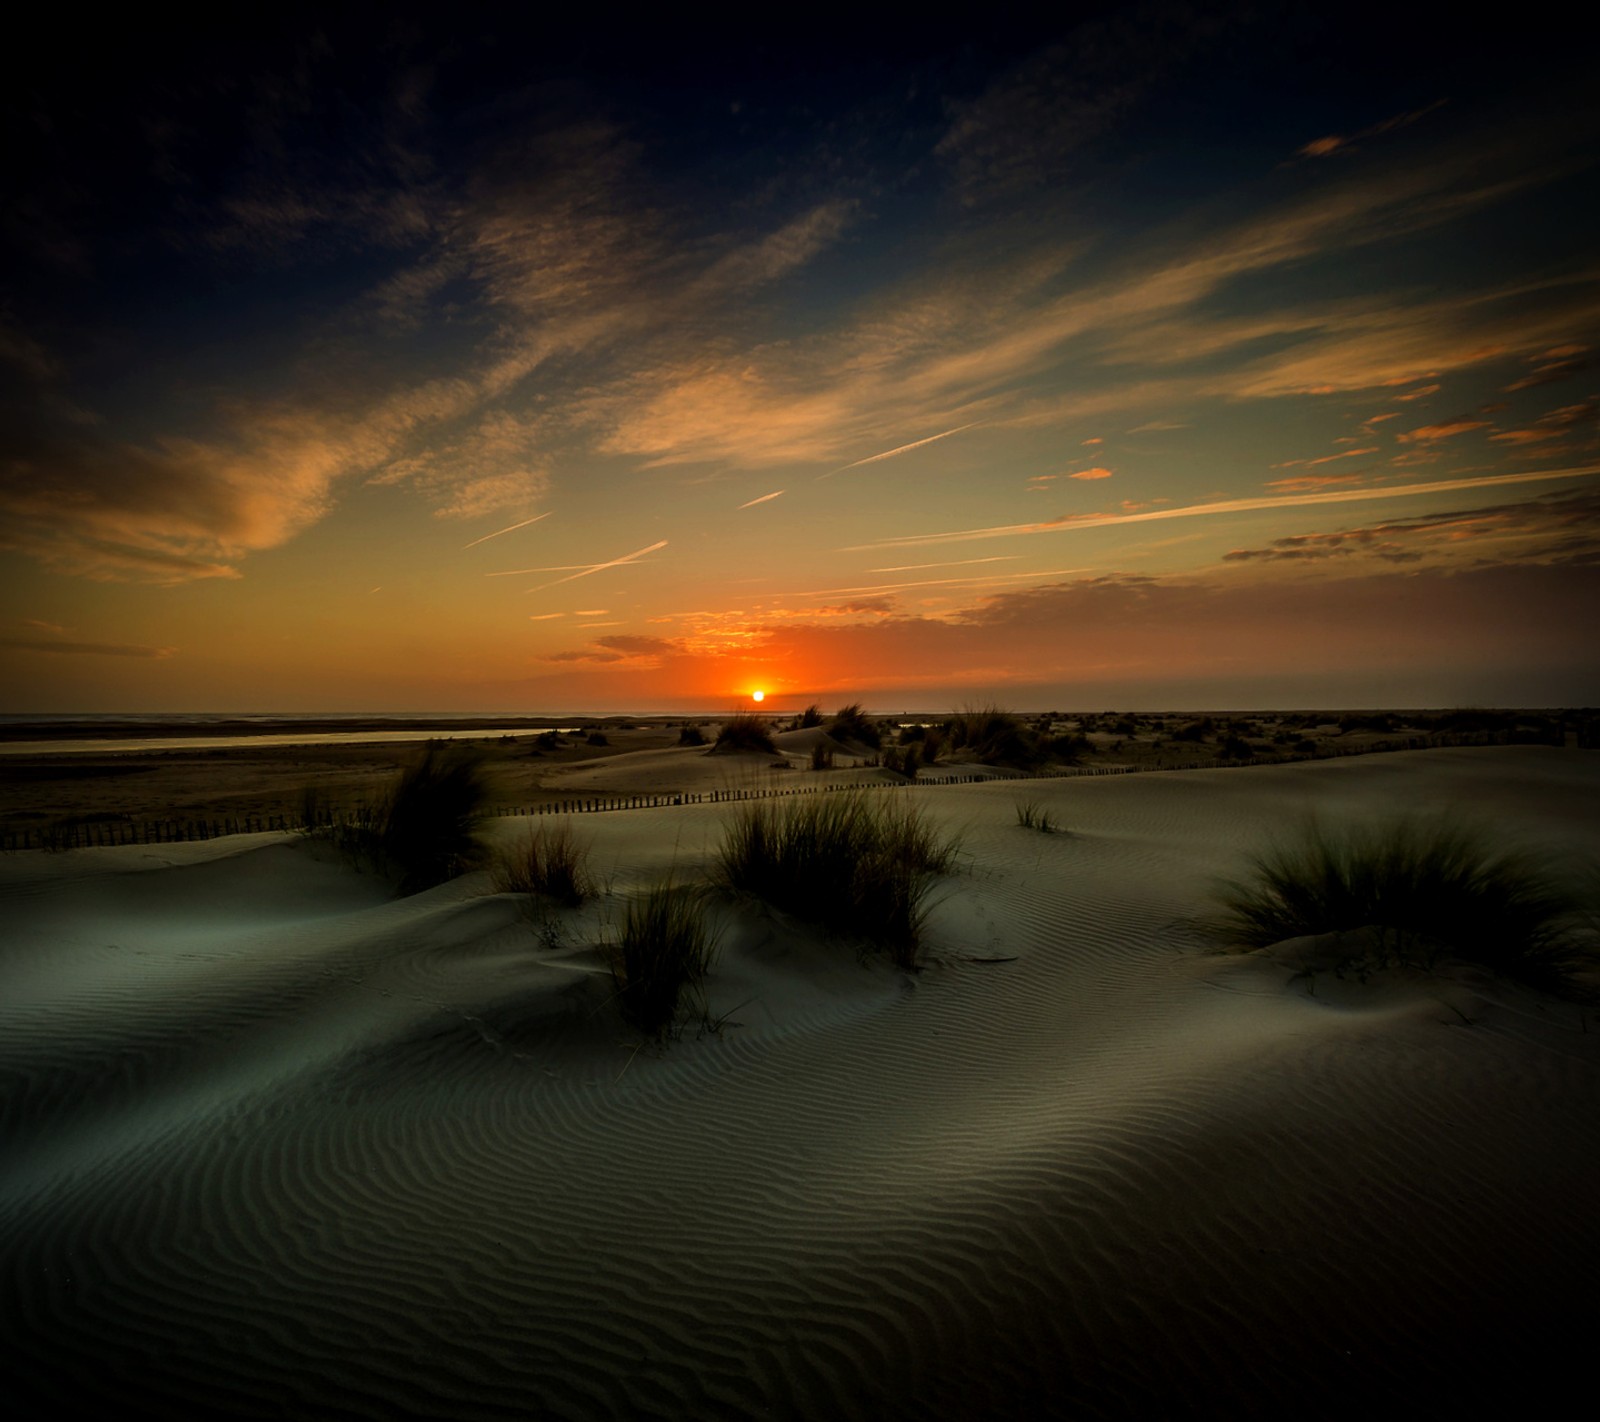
(276, 1146)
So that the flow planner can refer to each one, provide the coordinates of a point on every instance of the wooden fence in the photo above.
(173, 831)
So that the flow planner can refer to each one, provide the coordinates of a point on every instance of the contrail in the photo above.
(890, 453)
(1068, 522)
(601, 567)
(938, 583)
(761, 500)
(956, 563)
(514, 527)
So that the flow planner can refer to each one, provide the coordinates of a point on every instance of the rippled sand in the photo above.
(275, 1144)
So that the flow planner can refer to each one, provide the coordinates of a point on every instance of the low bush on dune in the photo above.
(851, 723)
(811, 716)
(1411, 892)
(821, 757)
(551, 863)
(745, 732)
(691, 735)
(858, 864)
(665, 948)
(425, 829)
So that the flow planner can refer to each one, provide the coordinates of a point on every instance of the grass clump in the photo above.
(857, 864)
(664, 949)
(821, 757)
(994, 737)
(691, 735)
(811, 716)
(1411, 892)
(552, 863)
(851, 723)
(1032, 815)
(425, 829)
(745, 732)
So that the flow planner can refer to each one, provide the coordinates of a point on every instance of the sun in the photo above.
(758, 696)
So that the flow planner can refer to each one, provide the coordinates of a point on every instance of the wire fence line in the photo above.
(103, 834)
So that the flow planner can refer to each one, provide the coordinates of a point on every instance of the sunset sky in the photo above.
(1168, 357)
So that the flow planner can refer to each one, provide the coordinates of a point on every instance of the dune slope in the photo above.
(276, 1144)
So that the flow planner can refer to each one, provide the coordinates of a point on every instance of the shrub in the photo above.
(859, 865)
(664, 948)
(551, 862)
(1419, 890)
(851, 723)
(691, 735)
(811, 716)
(598, 738)
(1235, 748)
(821, 757)
(745, 732)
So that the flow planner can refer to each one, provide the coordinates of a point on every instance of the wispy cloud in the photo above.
(1072, 522)
(1432, 434)
(1333, 143)
(1554, 528)
(776, 493)
(85, 649)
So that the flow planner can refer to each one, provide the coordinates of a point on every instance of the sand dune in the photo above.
(276, 1144)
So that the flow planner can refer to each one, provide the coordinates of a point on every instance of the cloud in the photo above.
(1325, 459)
(1337, 143)
(1557, 528)
(85, 649)
(1432, 434)
(587, 655)
(1559, 363)
(1421, 392)
(1095, 473)
(776, 493)
(1071, 522)
(1303, 483)
(1025, 131)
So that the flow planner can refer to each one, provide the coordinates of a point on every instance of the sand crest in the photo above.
(275, 1144)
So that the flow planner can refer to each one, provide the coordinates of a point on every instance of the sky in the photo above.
(1150, 356)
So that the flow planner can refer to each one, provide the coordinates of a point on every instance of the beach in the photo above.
(280, 1144)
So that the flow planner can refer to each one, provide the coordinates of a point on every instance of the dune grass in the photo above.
(1411, 891)
(745, 732)
(859, 864)
(811, 716)
(851, 723)
(664, 949)
(995, 737)
(1032, 815)
(550, 863)
(424, 829)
